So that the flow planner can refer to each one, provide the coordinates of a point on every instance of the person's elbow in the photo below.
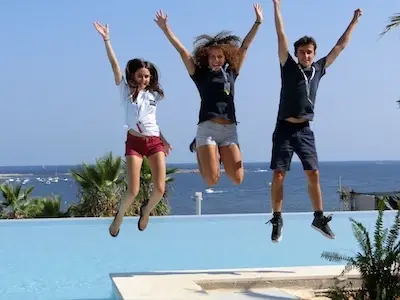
(118, 80)
(117, 76)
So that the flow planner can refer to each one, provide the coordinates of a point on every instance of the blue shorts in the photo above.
(289, 138)
(211, 133)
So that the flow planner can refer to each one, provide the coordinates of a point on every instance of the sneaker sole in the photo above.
(323, 233)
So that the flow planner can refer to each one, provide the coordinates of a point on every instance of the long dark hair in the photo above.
(224, 40)
(135, 64)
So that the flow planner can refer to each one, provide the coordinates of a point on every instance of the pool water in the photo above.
(72, 258)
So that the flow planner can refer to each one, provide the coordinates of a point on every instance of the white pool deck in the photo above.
(302, 272)
(264, 283)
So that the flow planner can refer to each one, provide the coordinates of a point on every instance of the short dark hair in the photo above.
(305, 40)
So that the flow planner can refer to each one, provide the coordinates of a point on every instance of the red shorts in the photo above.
(143, 146)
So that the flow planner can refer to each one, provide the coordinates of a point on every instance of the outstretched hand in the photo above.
(357, 14)
(259, 12)
(161, 19)
(103, 30)
(276, 2)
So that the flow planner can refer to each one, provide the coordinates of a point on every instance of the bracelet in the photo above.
(257, 22)
(106, 40)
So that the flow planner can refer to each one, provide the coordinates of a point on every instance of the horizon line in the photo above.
(195, 163)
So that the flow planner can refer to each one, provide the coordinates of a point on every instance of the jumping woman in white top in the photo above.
(141, 92)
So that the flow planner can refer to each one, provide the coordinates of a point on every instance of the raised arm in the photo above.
(344, 39)
(283, 45)
(105, 33)
(250, 36)
(161, 20)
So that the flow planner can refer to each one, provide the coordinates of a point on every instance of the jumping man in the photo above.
(292, 132)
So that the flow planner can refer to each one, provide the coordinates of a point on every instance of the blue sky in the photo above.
(59, 104)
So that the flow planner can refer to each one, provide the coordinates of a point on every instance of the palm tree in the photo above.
(14, 198)
(100, 187)
(378, 260)
(46, 207)
(17, 204)
(103, 184)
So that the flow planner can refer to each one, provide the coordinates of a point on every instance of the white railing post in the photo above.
(199, 197)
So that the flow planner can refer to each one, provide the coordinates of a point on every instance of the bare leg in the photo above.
(158, 171)
(278, 178)
(134, 164)
(199, 164)
(233, 164)
(307, 152)
(314, 189)
(208, 162)
(192, 148)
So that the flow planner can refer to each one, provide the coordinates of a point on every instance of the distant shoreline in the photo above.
(11, 175)
(194, 163)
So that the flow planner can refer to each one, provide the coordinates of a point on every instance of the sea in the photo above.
(252, 196)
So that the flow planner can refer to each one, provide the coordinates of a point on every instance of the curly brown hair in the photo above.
(227, 42)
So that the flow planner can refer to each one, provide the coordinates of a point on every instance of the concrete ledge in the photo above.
(209, 283)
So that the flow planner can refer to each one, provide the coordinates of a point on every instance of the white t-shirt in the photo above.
(141, 114)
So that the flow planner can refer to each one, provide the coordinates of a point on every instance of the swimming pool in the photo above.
(72, 258)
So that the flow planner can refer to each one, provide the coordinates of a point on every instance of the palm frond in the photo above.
(351, 264)
(335, 257)
(362, 237)
(393, 233)
(48, 207)
(15, 195)
(394, 21)
(172, 171)
(379, 234)
(378, 263)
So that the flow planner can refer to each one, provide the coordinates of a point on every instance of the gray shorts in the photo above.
(211, 133)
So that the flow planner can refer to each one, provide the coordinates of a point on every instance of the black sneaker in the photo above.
(320, 224)
(277, 225)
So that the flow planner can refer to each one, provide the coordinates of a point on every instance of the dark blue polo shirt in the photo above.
(216, 101)
(294, 99)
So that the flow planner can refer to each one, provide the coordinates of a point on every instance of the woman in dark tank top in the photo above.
(214, 67)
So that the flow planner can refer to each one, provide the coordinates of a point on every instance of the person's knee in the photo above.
(278, 177)
(212, 179)
(237, 179)
(235, 173)
(133, 191)
(312, 176)
(159, 187)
